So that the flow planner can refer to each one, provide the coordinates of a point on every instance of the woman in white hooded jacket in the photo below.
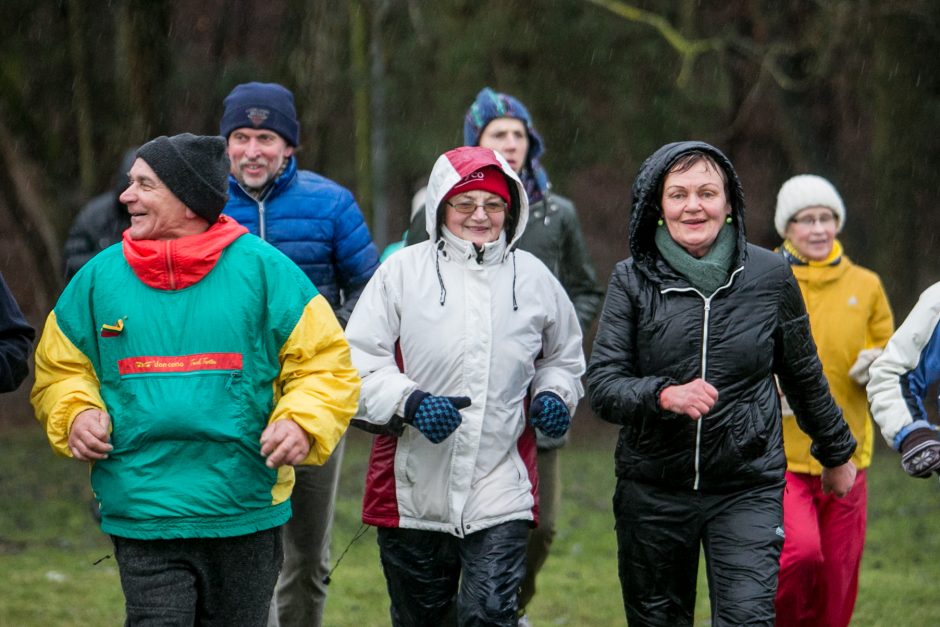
(451, 338)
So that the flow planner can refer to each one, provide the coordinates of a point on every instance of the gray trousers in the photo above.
(541, 537)
(301, 592)
(210, 582)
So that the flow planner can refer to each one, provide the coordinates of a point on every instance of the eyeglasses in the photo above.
(826, 219)
(467, 206)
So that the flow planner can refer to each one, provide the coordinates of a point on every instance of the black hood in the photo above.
(647, 193)
(119, 182)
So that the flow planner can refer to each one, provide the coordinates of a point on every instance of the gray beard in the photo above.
(255, 192)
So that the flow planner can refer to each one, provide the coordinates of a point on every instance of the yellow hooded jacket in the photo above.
(848, 312)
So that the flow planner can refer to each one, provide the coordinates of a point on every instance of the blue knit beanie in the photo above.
(489, 105)
(261, 105)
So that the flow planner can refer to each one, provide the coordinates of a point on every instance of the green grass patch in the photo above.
(49, 543)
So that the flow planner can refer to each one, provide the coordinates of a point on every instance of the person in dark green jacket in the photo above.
(192, 365)
(502, 123)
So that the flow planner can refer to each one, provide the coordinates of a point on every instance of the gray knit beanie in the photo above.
(802, 191)
(194, 167)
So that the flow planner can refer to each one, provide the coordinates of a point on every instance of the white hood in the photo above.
(458, 163)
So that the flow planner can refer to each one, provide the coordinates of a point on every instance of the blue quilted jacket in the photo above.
(316, 223)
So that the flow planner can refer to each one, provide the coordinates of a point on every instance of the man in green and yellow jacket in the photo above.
(192, 365)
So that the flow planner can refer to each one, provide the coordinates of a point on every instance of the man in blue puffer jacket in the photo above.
(318, 224)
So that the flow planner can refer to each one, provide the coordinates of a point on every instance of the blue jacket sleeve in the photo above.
(356, 256)
(909, 367)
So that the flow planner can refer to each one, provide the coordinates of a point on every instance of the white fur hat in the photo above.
(802, 191)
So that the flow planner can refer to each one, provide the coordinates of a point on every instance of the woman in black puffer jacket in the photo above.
(695, 326)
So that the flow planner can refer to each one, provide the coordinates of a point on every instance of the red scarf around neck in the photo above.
(175, 264)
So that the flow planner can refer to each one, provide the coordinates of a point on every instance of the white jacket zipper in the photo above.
(704, 362)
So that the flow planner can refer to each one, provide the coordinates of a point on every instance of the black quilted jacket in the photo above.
(657, 330)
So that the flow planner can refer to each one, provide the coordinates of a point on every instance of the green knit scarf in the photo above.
(708, 273)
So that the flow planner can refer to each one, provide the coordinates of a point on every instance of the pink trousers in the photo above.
(822, 552)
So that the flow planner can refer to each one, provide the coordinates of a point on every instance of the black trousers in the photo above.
(430, 575)
(659, 536)
(216, 582)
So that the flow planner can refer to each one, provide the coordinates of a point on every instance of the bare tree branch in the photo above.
(768, 57)
(688, 49)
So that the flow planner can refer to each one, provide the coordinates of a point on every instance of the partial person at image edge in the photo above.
(901, 379)
(16, 340)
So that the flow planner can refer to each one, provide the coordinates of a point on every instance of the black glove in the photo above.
(920, 453)
(549, 414)
(436, 417)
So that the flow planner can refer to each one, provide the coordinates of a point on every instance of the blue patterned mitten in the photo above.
(436, 417)
(549, 414)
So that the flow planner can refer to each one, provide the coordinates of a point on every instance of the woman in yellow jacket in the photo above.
(851, 322)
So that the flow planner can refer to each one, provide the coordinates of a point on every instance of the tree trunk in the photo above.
(379, 149)
(359, 69)
(143, 27)
(81, 105)
(26, 205)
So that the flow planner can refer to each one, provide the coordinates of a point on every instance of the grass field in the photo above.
(49, 545)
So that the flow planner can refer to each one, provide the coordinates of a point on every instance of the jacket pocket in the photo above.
(187, 398)
(749, 431)
(630, 433)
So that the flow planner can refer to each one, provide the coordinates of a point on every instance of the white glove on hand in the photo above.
(859, 370)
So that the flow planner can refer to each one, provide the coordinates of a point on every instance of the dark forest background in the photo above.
(848, 89)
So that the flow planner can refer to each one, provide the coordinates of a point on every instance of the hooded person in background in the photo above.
(695, 326)
(851, 322)
(192, 365)
(318, 225)
(553, 233)
(450, 337)
(100, 222)
(16, 339)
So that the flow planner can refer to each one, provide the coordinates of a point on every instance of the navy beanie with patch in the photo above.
(261, 105)
(194, 167)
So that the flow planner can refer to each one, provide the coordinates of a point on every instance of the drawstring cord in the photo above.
(437, 265)
(515, 305)
(440, 278)
(363, 528)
